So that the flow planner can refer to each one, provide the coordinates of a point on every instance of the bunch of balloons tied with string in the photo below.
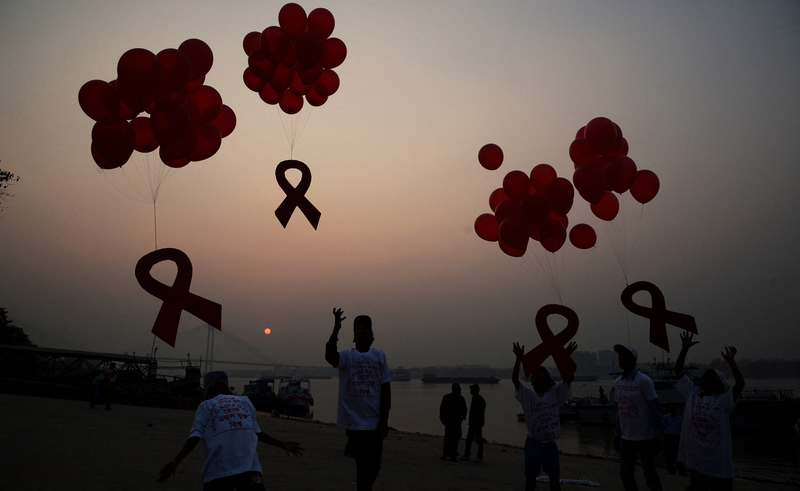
(158, 101)
(293, 62)
(529, 206)
(603, 167)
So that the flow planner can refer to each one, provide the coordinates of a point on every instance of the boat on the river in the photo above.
(294, 397)
(430, 378)
(261, 393)
(400, 374)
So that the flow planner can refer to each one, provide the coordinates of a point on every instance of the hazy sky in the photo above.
(706, 93)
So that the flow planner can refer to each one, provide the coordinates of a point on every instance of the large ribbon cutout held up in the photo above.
(657, 313)
(553, 344)
(295, 196)
(176, 298)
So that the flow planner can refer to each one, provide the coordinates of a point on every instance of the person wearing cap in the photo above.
(452, 411)
(639, 421)
(477, 418)
(706, 447)
(542, 421)
(365, 396)
(228, 426)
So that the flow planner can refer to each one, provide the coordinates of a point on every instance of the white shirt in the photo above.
(632, 394)
(229, 429)
(706, 445)
(360, 378)
(541, 413)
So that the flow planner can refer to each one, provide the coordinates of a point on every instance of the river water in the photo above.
(415, 408)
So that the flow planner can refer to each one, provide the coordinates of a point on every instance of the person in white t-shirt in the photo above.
(542, 421)
(229, 429)
(640, 421)
(706, 445)
(365, 397)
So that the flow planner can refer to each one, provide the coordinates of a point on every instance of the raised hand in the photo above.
(571, 347)
(337, 314)
(518, 350)
(729, 353)
(687, 340)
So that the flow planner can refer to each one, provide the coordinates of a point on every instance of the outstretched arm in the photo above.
(738, 385)
(518, 352)
(571, 348)
(686, 343)
(171, 467)
(331, 351)
(292, 448)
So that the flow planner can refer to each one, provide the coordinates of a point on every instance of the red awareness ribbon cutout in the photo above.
(553, 344)
(295, 196)
(657, 313)
(176, 298)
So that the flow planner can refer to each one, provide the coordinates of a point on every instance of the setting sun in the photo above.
(267, 330)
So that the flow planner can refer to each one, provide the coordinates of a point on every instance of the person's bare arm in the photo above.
(331, 351)
(518, 352)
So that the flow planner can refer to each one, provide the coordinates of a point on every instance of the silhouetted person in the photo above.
(542, 419)
(228, 426)
(672, 437)
(706, 445)
(103, 386)
(639, 421)
(477, 417)
(365, 397)
(452, 411)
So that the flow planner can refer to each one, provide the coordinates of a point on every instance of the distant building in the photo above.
(586, 361)
(607, 360)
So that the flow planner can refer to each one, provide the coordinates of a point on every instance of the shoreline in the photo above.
(63, 444)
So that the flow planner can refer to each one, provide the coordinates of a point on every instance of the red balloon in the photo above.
(581, 133)
(645, 186)
(253, 81)
(315, 99)
(321, 22)
(175, 70)
(291, 103)
(508, 209)
(203, 104)
(200, 57)
(251, 41)
(169, 121)
(298, 87)
(535, 208)
(497, 196)
(622, 149)
(560, 195)
(114, 139)
(226, 121)
(101, 161)
(588, 180)
(541, 175)
(619, 173)
(260, 65)
(309, 48)
(490, 156)
(138, 77)
(517, 184)
(607, 208)
(514, 233)
(328, 83)
(282, 78)
(601, 135)
(270, 95)
(99, 100)
(510, 250)
(292, 19)
(552, 235)
(309, 75)
(487, 228)
(145, 141)
(581, 153)
(173, 154)
(563, 219)
(275, 43)
(202, 141)
(334, 53)
(583, 236)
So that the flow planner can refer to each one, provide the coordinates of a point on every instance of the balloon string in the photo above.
(155, 225)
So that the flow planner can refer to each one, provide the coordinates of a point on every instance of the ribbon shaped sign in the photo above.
(176, 298)
(658, 314)
(553, 344)
(295, 196)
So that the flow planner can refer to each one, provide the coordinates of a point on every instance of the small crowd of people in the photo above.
(699, 442)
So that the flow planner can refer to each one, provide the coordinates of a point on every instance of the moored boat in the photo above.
(400, 374)
(294, 397)
(261, 393)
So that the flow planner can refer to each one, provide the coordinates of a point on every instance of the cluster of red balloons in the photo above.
(186, 120)
(295, 59)
(529, 206)
(602, 165)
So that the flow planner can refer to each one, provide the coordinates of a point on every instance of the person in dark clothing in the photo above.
(477, 411)
(452, 411)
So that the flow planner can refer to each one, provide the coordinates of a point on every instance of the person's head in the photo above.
(712, 382)
(456, 388)
(541, 379)
(362, 332)
(215, 383)
(474, 389)
(626, 356)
